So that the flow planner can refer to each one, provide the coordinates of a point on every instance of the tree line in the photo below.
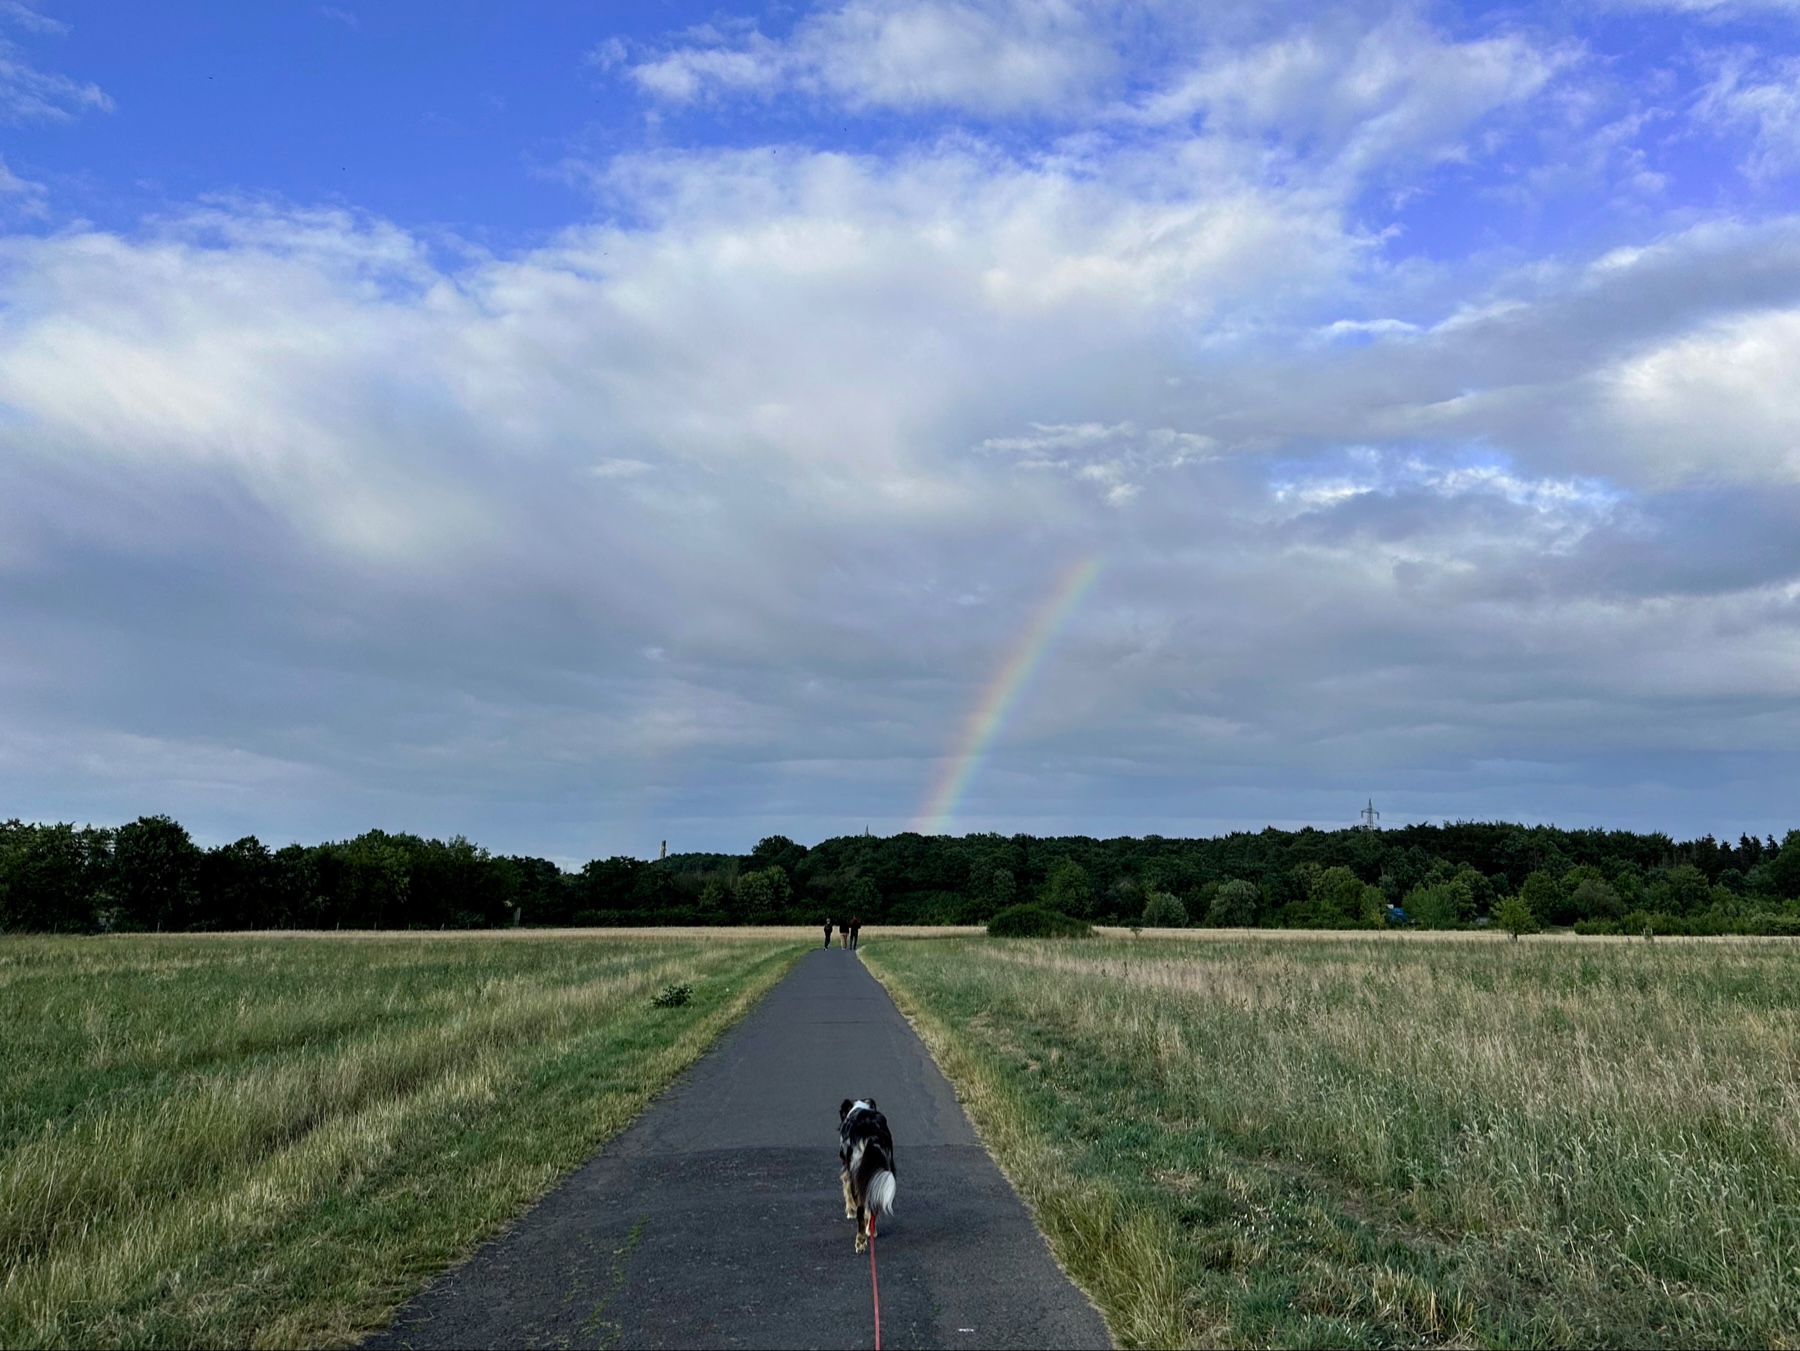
(149, 875)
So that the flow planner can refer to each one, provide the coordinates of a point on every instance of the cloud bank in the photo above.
(714, 514)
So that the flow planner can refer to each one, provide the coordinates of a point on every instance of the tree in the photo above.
(715, 899)
(1543, 895)
(456, 882)
(1439, 906)
(776, 851)
(1594, 898)
(50, 877)
(1479, 889)
(1333, 898)
(1234, 906)
(541, 889)
(236, 886)
(156, 868)
(862, 899)
(605, 889)
(1782, 873)
(1516, 916)
(375, 880)
(992, 887)
(1068, 889)
(1681, 890)
(1163, 911)
(763, 896)
(1374, 907)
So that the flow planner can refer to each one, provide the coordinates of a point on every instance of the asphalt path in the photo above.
(716, 1220)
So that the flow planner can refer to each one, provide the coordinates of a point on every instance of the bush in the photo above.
(1774, 925)
(1593, 927)
(1163, 911)
(1037, 921)
(673, 996)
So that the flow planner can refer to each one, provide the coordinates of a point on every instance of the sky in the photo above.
(580, 426)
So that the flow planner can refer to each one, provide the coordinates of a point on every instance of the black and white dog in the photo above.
(866, 1151)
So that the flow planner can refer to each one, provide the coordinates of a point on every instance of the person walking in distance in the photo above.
(828, 928)
(855, 931)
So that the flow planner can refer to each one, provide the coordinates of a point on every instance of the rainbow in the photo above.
(1001, 694)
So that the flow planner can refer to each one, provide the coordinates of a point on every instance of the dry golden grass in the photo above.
(211, 1140)
(1364, 1140)
(1391, 937)
(761, 933)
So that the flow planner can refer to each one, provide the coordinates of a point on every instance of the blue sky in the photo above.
(661, 421)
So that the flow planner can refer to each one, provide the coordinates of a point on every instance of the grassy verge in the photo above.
(1369, 1142)
(250, 1141)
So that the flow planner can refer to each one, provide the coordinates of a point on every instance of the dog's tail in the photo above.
(881, 1193)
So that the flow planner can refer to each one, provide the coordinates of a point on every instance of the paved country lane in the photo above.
(715, 1220)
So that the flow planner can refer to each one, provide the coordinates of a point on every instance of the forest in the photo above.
(150, 876)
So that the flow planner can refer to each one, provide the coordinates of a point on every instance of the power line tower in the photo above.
(1369, 816)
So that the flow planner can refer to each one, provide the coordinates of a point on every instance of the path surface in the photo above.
(716, 1220)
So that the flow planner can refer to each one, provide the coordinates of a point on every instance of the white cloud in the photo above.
(1002, 58)
(1764, 98)
(1006, 57)
(750, 63)
(31, 20)
(28, 94)
(1356, 95)
(1721, 402)
(621, 468)
(21, 195)
(1712, 9)
(609, 55)
(1118, 459)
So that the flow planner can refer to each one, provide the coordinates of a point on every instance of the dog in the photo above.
(866, 1153)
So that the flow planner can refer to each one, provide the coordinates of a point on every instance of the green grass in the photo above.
(1383, 1141)
(275, 1141)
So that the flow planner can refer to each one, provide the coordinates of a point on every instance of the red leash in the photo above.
(874, 1283)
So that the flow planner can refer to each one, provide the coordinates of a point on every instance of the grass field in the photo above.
(1370, 1141)
(274, 1140)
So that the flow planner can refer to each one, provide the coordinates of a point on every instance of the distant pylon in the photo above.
(1369, 815)
(665, 852)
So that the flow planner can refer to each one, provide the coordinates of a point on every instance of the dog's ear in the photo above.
(871, 1103)
(844, 1110)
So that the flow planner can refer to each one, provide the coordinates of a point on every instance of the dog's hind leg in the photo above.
(862, 1230)
(849, 1201)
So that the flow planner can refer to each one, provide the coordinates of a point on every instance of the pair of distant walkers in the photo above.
(849, 932)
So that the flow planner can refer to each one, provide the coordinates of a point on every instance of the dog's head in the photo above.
(858, 1104)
